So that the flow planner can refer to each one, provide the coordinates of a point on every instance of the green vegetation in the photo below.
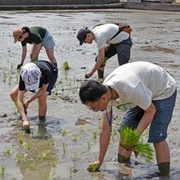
(130, 140)
(8, 152)
(19, 157)
(3, 170)
(65, 65)
(92, 167)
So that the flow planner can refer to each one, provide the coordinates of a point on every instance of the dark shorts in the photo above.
(158, 127)
(53, 79)
(123, 51)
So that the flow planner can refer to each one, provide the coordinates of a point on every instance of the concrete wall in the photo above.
(55, 2)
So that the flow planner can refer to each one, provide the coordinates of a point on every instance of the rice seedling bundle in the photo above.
(130, 140)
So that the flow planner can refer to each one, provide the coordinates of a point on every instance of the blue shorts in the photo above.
(48, 41)
(160, 122)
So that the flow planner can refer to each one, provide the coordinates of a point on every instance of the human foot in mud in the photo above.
(42, 131)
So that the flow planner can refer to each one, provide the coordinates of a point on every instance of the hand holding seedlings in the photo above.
(94, 166)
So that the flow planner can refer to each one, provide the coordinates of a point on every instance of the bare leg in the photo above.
(35, 52)
(50, 54)
(14, 94)
(43, 104)
(162, 157)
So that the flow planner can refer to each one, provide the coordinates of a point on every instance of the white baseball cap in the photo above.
(31, 75)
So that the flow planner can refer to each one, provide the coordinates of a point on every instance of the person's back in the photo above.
(132, 75)
(104, 35)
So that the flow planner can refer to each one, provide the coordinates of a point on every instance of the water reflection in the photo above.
(35, 152)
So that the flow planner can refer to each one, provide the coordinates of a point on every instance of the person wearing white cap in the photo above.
(39, 37)
(38, 77)
(111, 39)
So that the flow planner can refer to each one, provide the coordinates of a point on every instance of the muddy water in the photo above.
(71, 138)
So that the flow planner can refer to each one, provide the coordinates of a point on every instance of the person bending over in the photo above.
(37, 36)
(148, 93)
(110, 40)
(38, 77)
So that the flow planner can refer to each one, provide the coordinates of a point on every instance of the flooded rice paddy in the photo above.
(71, 132)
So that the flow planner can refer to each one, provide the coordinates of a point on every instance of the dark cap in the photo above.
(81, 35)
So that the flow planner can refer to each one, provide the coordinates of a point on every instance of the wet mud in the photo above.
(61, 148)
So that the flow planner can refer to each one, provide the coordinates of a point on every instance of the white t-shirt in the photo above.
(138, 83)
(103, 33)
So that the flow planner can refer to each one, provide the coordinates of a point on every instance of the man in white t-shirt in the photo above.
(148, 93)
(110, 40)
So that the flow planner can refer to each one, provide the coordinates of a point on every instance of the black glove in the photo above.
(19, 66)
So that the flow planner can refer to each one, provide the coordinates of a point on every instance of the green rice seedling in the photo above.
(10, 76)
(51, 175)
(10, 79)
(32, 166)
(8, 152)
(74, 137)
(89, 145)
(92, 167)
(63, 132)
(144, 151)
(54, 94)
(28, 145)
(130, 140)
(70, 173)
(95, 134)
(99, 124)
(3, 170)
(51, 141)
(64, 148)
(114, 132)
(4, 75)
(20, 140)
(54, 161)
(44, 155)
(65, 65)
(74, 158)
(19, 157)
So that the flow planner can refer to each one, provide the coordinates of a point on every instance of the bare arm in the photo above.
(38, 94)
(23, 55)
(99, 62)
(146, 119)
(104, 138)
(103, 142)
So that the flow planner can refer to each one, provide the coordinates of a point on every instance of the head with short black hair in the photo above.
(91, 91)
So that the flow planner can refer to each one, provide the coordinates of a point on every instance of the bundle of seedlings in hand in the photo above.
(130, 140)
(92, 167)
